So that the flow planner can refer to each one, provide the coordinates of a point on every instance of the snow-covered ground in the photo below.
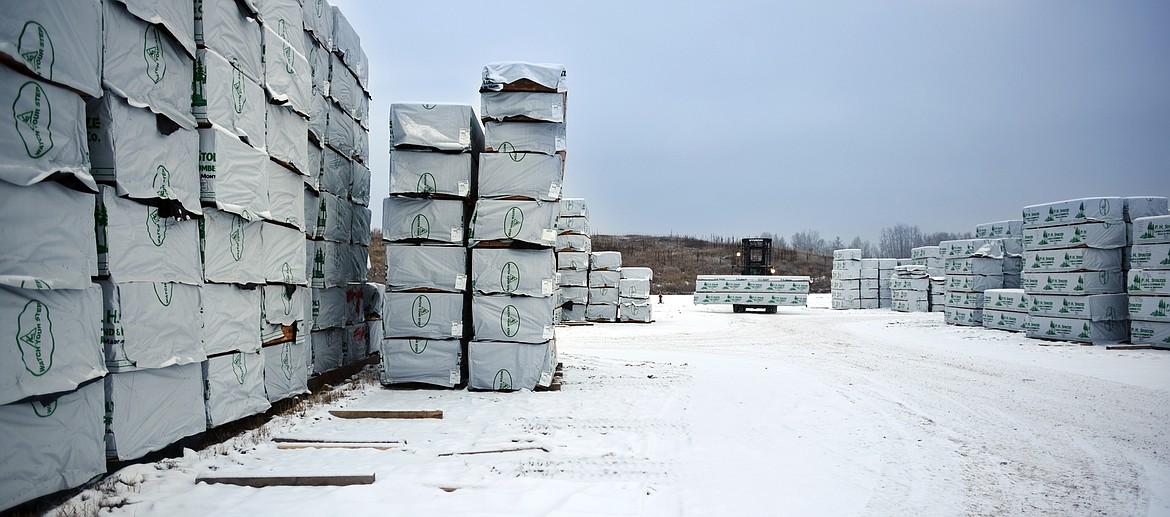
(706, 412)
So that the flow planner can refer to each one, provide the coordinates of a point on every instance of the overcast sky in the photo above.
(734, 118)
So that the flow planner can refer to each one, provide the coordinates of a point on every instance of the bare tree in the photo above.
(809, 240)
(897, 241)
(837, 244)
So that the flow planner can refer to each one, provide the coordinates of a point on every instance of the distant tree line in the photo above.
(895, 241)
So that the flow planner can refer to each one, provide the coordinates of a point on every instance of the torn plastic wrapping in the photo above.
(520, 76)
(128, 147)
(151, 325)
(49, 237)
(139, 243)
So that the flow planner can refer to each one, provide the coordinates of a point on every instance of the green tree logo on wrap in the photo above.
(236, 238)
(1085, 331)
(44, 409)
(287, 53)
(152, 51)
(420, 311)
(510, 320)
(509, 277)
(239, 367)
(319, 266)
(513, 222)
(156, 226)
(34, 117)
(36, 49)
(320, 8)
(286, 360)
(420, 227)
(162, 182)
(427, 183)
(322, 217)
(286, 272)
(510, 149)
(418, 346)
(34, 338)
(239, 97)
(502, 381)
(164, 295)
(428, 107)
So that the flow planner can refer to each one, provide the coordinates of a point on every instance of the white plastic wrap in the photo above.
(1098, 307)
(1145, 206)
(318, 15)
(528, 175)
(444, 127)
(343, 87)
(147, 410)
(42, 135)
(1147, 282)
(604, 278)
(523, 106)
(284, 254)
(222, 26)
(53, 340)
(574, 207)
(501, 366)
(286, 137)
(233, 249)
(635, 311)
(336, 173)
(328, 350)
(1079, 283)
(228, 99)
(1151, 230)
(1149, 256)
(360, 225)
(606, 295)
(603, 312)
(605, 260)
(330, 308)
(1093, 209)
(232, 174)
(572, 260)
(1082, 331)
(440, 268)
(341, 131)
(286, 195)
(161, 83)
(520, 76)
(1087, 235)
(151, 325)
(525, 221)
(429, 361)
(231, 319)
(1072, 259)
(51, 444)
(359, 186)
(573, 242)
(127, 149)
(573, 225)
(286, 372)
(525, 137)
(58, 42)
(426, 172)
(423, 315)
(136, 243)
(513, 271)
(175, 15)
(574, 277)
(234, 387)
(345, 40)
(287, 77)
(49, 237)
(414, 219)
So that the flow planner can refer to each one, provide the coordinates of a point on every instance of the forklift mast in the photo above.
(757, 256)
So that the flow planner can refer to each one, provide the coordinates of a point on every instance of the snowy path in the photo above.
(808, 412)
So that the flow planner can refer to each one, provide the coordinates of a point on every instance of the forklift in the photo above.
(756, 260)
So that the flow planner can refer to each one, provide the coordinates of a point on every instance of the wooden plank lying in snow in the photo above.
(340, 445)
(266, 481)
(287, 439)
(493, 451)
(1137, 347)
(371, 413)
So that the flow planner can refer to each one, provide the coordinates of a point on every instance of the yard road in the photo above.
(879, 413)
(807, 412)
